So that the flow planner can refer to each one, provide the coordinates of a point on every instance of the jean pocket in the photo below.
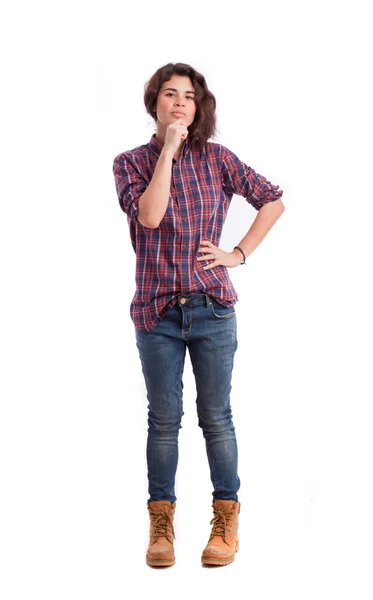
(221, 312)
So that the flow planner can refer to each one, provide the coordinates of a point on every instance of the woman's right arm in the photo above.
(154, 201)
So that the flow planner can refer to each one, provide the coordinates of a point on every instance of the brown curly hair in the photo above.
(204, 124)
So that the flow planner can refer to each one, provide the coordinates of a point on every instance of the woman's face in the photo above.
(176, 100)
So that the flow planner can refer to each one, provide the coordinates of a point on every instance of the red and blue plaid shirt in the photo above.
(202, 187)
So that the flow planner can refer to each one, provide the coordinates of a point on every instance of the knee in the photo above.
(165, 413)
(164, 423)
(215, 423)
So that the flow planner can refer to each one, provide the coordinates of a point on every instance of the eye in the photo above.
(172, 94)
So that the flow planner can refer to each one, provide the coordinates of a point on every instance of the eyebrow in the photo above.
(175, 90)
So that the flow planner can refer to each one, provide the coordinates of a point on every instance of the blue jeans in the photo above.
(208, 329)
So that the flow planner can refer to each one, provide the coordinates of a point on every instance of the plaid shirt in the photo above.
(202, 187)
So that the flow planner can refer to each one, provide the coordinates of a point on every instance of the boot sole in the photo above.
(208, 560)
(157, 562)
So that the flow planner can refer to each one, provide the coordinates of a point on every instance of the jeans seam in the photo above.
(213, 473)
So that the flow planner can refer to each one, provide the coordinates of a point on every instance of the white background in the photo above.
(291, 80)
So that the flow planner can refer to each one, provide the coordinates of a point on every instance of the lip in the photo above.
(178, 113)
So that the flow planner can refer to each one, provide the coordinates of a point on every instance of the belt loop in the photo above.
(207, 298)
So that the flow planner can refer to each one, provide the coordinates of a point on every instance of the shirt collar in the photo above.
(157, 146)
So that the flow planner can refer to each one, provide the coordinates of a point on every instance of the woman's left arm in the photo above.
(263, 222)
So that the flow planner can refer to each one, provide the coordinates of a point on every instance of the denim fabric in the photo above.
(208, 329)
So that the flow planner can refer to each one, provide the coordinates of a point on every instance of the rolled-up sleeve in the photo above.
(238, 178)
(130, 185)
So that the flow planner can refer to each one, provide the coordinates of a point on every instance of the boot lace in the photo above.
(220, 524)
(162, 525)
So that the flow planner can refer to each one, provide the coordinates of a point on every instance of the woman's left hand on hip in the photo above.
(217, 256)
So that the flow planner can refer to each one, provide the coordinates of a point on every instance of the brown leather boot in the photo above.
(161, 549)
(223, 543)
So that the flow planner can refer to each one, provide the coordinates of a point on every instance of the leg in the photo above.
(212, 350)
(162, 356)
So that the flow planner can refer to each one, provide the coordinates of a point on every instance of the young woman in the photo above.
(176, 191)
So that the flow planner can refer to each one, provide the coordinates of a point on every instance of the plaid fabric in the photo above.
(202, 187)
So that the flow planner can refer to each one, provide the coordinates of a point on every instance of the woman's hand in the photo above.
(218, 256)
(176, 133)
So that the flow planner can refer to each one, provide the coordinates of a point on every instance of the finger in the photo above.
(210, 256)
(210, 266)
(208, 248)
